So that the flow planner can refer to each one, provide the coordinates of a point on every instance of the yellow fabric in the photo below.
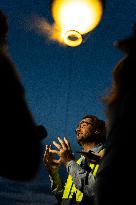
(70, 188)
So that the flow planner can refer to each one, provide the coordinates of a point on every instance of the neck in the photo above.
(88, 146)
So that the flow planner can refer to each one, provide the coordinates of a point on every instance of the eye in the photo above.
(84, 125)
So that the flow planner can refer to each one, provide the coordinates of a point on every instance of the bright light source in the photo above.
(75, 18)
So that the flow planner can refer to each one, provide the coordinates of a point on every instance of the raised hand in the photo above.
(63, 151)
(51, 164)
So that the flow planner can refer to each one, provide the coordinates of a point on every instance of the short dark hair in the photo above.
(99, 128)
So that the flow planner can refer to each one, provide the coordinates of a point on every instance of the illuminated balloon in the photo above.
(75, 18)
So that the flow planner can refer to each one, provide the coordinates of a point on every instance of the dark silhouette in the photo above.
(20, 136)
(116, 178)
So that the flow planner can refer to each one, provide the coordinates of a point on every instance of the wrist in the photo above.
(53, 172)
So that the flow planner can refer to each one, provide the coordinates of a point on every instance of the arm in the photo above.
(52, 167)
(56, 186)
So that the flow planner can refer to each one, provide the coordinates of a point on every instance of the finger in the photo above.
(46, 158)
(50, 147)
(47, 147)
(57, 145)
(56, 161)
(62, 143)
(47, 154)
(55, 152)
(67, 143)
(46, 150)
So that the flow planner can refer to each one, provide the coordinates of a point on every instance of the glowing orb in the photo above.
(75, 18)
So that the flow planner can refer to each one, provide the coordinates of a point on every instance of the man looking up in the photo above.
(80, 185)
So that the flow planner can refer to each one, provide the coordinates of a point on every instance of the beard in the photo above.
(84, 139)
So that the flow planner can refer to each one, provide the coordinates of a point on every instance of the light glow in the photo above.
(80, 16)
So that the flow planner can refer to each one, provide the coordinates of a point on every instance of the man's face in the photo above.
(84, 130)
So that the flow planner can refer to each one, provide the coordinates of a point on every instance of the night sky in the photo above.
(63, 84)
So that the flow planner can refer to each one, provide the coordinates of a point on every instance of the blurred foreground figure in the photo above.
(20, 137)
(116, 178)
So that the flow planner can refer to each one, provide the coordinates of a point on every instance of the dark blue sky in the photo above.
(63, 83)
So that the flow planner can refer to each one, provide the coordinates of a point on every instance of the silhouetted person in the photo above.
(116, 178)
(19, 137)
